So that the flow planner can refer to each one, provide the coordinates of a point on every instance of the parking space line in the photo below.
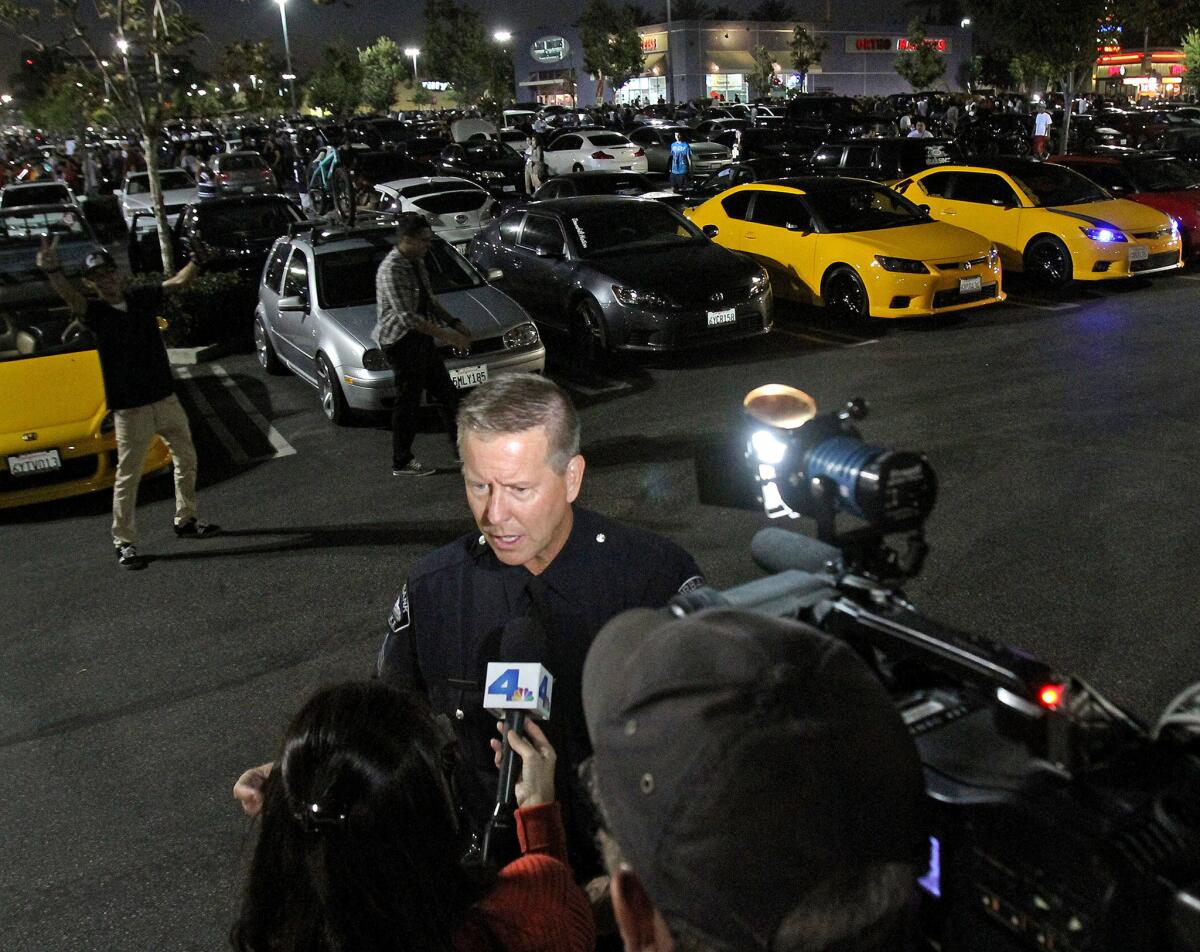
(281, 446)
(216, 424)
(1021, 302)
(816, 339)
(1189, 277)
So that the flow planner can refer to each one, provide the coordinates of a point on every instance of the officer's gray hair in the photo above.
(515, 403)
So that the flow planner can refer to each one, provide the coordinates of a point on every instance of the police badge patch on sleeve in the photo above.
(399, 618)
(691, 584)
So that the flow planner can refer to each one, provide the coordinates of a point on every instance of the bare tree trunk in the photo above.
(150, 145)
(1068, 102)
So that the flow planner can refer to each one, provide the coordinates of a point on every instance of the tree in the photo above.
(117, 49)
(336, 85)
(724, 12)
(643, 16)
(384, 66)
(691, 10)
(807, 51)
(458, 49)
(1029, 70)
(1165, 20)
(772, 11)
(1191, 58)
(256, 69)
(921, 65)
(761, 73)
(612, 49)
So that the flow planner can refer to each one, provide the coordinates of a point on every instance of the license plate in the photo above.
(247, 188)
(509, 188)
(28, 464)
(627, 168)
(1138, 252)
(463, 377)
(970, 285)
(727, 316)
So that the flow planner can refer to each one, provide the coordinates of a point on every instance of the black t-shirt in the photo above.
(446, 626)
(133, 358)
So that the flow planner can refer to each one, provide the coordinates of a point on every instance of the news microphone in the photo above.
(514, 689)
(778, 550)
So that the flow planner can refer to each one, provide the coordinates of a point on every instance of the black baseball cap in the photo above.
(741, 760)
(98, 260)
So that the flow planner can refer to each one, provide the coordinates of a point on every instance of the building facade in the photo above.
(708, 59)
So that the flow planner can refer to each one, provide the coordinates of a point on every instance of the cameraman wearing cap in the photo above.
(138, 386)
(410, 320)
(757, 788)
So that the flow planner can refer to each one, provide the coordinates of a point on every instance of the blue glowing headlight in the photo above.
(1104, 235)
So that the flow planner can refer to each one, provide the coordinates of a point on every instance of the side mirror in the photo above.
(293, 303)
(495, 274)
(711, 231)
(797, 227)
(548, 251)
(924, 210)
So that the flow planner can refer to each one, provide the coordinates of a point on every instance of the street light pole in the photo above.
(287, 52)
(414, 53)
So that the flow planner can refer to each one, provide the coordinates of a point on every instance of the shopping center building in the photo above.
(711, 59)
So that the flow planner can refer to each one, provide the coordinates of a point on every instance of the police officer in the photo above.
(535, 555)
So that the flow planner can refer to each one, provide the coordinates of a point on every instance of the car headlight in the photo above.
(760, 282)
(523, 335)
(632, 297)
(1174, 227)
(905, 265)
(993, 256)
(1103, 235)
(375, 359)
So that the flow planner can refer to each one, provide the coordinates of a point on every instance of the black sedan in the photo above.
(741, 173)
(624, 274)
(497, 167)
(632, 184)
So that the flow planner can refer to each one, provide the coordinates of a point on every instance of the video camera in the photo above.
(1058, 821)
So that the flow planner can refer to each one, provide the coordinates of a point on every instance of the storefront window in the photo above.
(644, 88)
(727, 85)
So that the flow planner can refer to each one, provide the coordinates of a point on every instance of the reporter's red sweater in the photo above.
(535, 905)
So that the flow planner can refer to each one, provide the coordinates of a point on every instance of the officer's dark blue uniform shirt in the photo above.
(445, 627)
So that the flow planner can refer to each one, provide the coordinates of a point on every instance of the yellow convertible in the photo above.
(56, 434)
(853, 246)
(1049, 221)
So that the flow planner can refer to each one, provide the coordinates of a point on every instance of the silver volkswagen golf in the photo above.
(316, 312)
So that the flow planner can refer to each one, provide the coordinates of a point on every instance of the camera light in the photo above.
(768, 448)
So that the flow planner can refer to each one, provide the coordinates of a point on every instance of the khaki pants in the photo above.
(136, 429)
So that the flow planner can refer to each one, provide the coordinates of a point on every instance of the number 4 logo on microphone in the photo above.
(518, 685)
(509, 685)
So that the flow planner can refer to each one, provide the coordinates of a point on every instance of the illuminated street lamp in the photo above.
(502, 36)
(287, 52)
(414, 53)
(123, 46)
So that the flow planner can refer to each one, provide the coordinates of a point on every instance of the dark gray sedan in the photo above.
(624, 274)
(235, 173)
(706, 156)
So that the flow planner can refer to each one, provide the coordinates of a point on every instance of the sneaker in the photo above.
(192, 529)
(128, 558)
(412, 468)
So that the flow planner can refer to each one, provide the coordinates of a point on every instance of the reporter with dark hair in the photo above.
(362, 849)
(756, 787)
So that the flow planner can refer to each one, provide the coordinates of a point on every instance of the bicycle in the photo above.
(331, 187)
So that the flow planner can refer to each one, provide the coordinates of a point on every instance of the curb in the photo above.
(198, 355)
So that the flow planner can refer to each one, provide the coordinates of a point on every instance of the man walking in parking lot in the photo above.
(409, 321)
(1041, 131)
(681, 162)
(138, 387)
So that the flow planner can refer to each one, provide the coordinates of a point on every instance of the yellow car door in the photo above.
(984, 202)
(779, 235)
(729, 216)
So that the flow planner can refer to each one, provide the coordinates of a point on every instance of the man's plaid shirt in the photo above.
(398, 284)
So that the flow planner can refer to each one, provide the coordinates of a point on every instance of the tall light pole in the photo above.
(414, 53)
(287, 52)
(670, 63)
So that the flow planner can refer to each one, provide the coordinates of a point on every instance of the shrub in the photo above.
(214, 308)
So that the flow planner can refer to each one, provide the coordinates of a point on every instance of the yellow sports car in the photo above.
(1049, 221)
(56, 434)
(853, 246)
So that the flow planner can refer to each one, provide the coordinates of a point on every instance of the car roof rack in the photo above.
(321, 232)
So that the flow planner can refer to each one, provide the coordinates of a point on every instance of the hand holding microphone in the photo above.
(535, 785)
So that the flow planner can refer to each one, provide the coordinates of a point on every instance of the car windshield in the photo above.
(621, 226)
(449, 202)
(23, 336)
(347, 278)
(610, 183)
(233, 224)
(490, 151)
(862, 208)
(688, 135)
(241, 162)
(21, 227)
(48, 194)
(1051, 185)
(1166, 175)
(385, 166)
(917, 154)
(607, 138)
(140, 185)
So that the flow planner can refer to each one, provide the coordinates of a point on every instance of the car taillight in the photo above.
(601, 155)
(222, 177)
(639, 153)
(266, 173)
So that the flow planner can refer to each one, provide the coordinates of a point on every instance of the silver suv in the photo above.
(316, 313)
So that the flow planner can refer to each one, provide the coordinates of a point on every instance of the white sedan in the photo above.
(593, 150)
(456, 208)
(37, 193)
(179, 190)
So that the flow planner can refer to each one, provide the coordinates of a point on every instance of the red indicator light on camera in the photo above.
(1051, 696)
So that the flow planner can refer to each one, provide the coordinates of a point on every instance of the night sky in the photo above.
(359, 22)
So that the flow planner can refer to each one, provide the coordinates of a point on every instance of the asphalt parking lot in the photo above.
(1062, 431)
